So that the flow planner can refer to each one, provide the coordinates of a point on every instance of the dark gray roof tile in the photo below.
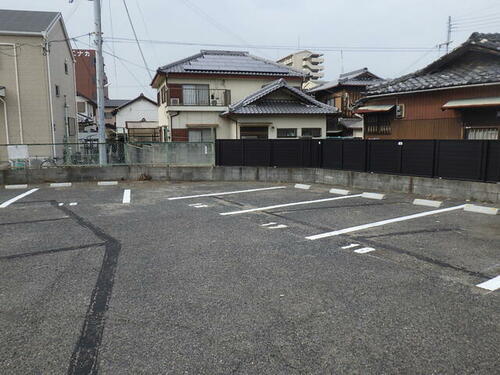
(25, 21)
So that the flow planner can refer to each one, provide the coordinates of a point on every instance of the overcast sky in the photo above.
(288, 24)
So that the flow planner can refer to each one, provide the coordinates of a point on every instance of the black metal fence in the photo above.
(453, 159)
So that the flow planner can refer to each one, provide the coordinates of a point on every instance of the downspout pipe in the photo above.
(6, 121)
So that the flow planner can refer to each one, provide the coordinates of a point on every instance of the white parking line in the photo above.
(364, 250)
(73, 203)
(288, 205)
(350, 246)
(60, 184)
(491, 284)
(268, 224)
(16, 198)
(126, 196)
(279, 226)
(226, 193)
(107, 183)
(383, 222)
(19, 186)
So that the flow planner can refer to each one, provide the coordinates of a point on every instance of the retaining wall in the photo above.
(462, 190)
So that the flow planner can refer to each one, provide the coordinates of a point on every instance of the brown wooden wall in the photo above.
(424, 118)
(180, 135)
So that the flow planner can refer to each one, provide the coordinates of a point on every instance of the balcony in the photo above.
(198, 96)
(313, 67)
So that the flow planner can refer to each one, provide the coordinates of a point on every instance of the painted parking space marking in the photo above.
(302, 186)
(18, 186)
(427, 202)
(383, 222)
(350, 246)
(73, 203)
(481, 209)
(60, 184)
(492, 284)
(279, 226)
(364, 250)
(197, 205)
(107, 183)
(373, 195)
(289, 205)
(268, 224)
(226, 193)
(126, 196)
(16, 198)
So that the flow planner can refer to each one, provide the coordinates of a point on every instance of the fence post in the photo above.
(271, 152)
(483, 161)
(367, 155)
(435, 162)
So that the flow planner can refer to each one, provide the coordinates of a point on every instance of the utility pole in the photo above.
(100, 84)
(448, 34)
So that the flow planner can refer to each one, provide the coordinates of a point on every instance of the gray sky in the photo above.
(283, 23)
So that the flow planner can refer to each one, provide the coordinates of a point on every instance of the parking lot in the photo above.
(244, 277)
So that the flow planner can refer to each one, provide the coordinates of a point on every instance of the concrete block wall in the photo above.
(429, 187)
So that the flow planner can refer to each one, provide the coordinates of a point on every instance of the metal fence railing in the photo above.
(47, 155)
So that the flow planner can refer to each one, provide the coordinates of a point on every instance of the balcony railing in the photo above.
(198, 97)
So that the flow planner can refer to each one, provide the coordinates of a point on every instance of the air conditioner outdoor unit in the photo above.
(174, 101)
(400, 111)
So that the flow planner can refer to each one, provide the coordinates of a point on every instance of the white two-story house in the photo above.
(235, 95)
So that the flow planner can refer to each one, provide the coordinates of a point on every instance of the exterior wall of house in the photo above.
(23, 72)
(275, 122)
(180, 118)
(136, 111)
(64, 105)
(424, 117)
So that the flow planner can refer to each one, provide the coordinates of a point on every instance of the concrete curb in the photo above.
(351, 180)
(427, 202)
(481, 209)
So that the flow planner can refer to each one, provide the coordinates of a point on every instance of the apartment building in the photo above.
(235, 95)
(38, 104)
(310, 63)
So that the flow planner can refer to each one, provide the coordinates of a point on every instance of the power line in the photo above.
(280, 47)
(136, 39)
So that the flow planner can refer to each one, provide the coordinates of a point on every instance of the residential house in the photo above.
(109, 116)
(37, 73)
(137, 120)
(455, 97)
(343, 93)
(235, 95)
(86, 115)
(309, 62)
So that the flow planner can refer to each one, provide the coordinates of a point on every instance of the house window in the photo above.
(481, 133)
(200, 135)
(311, 132)
(253, 132)
(195, 94)
(286, 133)
(377, 124)
(66, 69)
(80, 106)
(57, 91)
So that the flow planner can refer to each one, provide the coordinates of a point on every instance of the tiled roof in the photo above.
(466, 65)
(25, 21)
(229, 62)
(115, 102)
(353, 78)
(257, 103)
